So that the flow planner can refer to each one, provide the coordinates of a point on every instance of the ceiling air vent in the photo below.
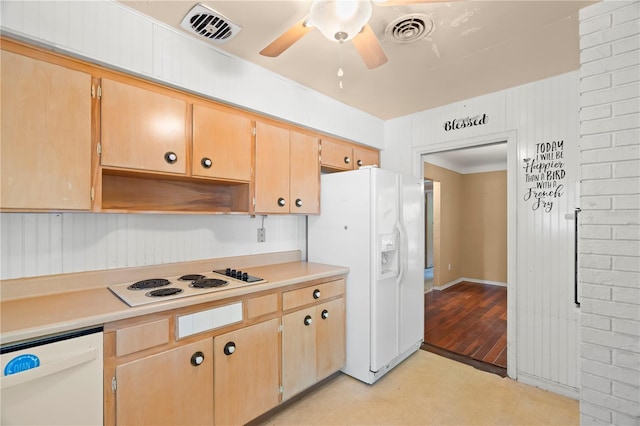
(409, 28)
(208, 23)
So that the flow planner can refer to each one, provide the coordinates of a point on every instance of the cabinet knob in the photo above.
(298, 202)
(308, 320)
(197, 359)
(324, 314)
(206, 162)
(316, 294)
(229, 348)
(281, 202)
(359, 163)
(170, 157)
(347, 160)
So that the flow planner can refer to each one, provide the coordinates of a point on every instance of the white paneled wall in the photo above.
(42, 244)
(610, 218)
(541, 274)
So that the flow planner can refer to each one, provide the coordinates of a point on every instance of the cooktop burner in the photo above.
(208, 283)
(191, 277)
(164, 292)
(150, 283)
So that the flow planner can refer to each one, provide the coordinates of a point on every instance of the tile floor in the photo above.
(427, 389)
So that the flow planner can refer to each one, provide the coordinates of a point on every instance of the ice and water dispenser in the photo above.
(388, 255)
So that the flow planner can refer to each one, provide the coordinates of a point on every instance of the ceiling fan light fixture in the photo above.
(340, 20)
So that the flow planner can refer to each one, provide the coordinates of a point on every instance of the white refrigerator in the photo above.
(372, 221)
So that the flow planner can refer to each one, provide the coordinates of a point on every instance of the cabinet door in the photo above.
(221, 144)
(45, 137)
(141, 129)
(336, 156)
(304, 186)
(365, 157)
(298, 351)
(246, 373)
(169, 388)
(272, 169)
(330, 339)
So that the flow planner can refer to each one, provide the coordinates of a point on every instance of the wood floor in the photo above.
(468, 320)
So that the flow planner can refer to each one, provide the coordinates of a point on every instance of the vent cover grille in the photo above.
(409, 28)
(209, 24)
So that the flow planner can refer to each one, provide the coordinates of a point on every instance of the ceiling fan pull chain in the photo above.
(340, 71)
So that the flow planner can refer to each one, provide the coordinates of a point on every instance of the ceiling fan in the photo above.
(340, 20)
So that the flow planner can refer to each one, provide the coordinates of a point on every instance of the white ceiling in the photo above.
(475, 48)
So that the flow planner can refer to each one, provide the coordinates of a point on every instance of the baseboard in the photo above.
(469, 280)
(548, 385)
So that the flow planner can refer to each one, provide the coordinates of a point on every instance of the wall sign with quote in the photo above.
(544, 175)
(461, 123)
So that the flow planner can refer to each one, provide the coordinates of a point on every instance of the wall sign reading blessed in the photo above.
(544, 174)
(461, 123)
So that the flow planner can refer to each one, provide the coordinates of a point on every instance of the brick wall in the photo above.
(609, 243)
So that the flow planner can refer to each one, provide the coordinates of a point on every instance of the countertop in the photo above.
(41, 315)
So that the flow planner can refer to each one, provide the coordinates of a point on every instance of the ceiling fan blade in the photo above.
(286, 40)
(369, 48)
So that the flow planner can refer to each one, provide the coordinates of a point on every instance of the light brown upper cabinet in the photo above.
(142, 129)
(221, 144)
(365, 157)
(340, 156)
(45, 135)
(287, 178)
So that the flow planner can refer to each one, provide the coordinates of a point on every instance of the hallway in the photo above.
(468, 322)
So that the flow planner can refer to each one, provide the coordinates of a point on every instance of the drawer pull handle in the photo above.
(281, 202)
(308, 320)
(325, 314)
(298, 202)
(347, 160)
(197, 358)
(316, 294)
(170, 157)
(229, 348)
(359, 162)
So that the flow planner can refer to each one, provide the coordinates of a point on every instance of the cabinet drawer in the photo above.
(304, 296)
(143, 336)
(262, 305)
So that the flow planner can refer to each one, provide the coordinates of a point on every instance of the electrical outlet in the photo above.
(262, 235)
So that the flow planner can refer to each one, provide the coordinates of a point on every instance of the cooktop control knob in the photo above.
(228, 271)
(238, 274)
(233, 273)
(245, 276)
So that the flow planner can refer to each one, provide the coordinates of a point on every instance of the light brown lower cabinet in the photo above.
(246, 376)
(288, 341)
(313, 345)
(170, 388)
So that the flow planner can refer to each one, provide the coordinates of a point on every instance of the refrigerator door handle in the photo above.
(402, 251)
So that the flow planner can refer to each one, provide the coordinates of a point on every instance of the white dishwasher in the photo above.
(56, 380)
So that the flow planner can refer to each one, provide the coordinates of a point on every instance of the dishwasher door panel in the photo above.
(65, 389)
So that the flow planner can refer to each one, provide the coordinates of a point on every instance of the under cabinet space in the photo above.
(131, 192)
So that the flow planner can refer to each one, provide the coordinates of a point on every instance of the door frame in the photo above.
(511, 138)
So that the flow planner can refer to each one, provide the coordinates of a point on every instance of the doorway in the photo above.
(466, 234)
(429, 237)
